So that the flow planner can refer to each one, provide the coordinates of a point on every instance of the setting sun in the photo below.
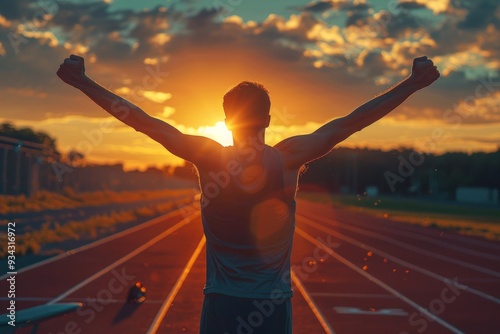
(316, 63)
(217, 132)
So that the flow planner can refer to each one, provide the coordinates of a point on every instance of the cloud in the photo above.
(158, 97)
(160, 39)
(411, 5)
(481, 13)
(4, 22)
(474, 63)
(478, 110)
(319, 6)
(14, 9)
(43, 37)
(437, 6)
(322, 61)
(495, 140)
(325, 5)
(85, 21)
(23, 92)
(167, 112)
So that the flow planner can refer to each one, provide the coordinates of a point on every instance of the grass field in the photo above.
(52, 232)
(465, 219)
(44, 200)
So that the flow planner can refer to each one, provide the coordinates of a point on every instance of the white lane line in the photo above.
(315, 309)
(391, 312)
(412, 248)
(398, 260)
(107, 301)
(423, 237)
(350, 295)
(155, 325)
(375, 280)
(480, 279)
(97, 243)
(127, 257)
(458, 237)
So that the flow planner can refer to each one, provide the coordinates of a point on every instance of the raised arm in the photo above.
(196, 149)
(301, 149)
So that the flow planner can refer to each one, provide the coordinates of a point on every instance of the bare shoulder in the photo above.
(298, 150)
(205, 153)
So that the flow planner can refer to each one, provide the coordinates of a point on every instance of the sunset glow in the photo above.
(218, 132)
(320, 60)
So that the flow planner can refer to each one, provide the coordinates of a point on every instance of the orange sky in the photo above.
(315, 68)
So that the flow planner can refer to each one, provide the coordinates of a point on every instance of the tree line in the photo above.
(344, 170)
(30, 162)
(403, 171)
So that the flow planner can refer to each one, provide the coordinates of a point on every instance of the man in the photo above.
(248, 192)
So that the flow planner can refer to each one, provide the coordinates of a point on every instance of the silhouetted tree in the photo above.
(8, 130)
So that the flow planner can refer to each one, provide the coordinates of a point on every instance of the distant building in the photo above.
(27, 167)
(371, 191)
(481, 195)
(22, 165)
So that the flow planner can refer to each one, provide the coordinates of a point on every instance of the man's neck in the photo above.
(253, 138)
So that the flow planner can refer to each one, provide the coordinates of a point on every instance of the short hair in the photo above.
(247, 101)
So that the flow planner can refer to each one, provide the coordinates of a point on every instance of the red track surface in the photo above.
(359, 275)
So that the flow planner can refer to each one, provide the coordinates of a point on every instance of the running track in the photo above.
(352, 273)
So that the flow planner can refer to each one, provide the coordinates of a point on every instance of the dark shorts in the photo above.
(223, 314)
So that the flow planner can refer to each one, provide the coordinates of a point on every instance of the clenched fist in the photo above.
(72, 70)
(423, 72)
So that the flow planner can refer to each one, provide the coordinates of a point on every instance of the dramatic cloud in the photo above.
(320, 60)
(481, 14)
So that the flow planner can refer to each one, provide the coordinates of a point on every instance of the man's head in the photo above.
(247, 106)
